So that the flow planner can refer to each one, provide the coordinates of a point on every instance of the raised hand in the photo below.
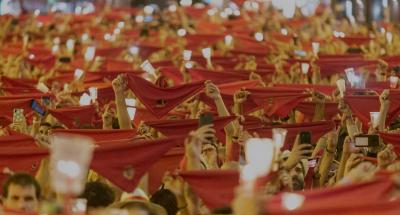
(212, 90)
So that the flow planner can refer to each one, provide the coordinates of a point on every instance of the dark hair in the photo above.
(98, 194)
(166, 199)
(223, 210)
(21, 179)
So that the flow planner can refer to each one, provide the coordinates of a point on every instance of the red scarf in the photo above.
(317, 129)
(125, 162)
(159, 101)
(75, 117)
(214, 187)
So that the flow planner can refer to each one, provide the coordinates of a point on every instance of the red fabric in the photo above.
(14, 212)
(392, 138)
(317, 129)
(232, 87)
(7, 106)
(214, 187)
(143, 115)
(356, 41)
(17, 141)
(234, 152)
(341, 200)
(20, 82)
(19, 90)
(125, 162)
(330, 67)
(25, 159)
(75, 117)
(159, 101)
(276, 102)
(109, 51)
(168, 163)
(325, 89)
(195, 12)
(184, 126)
(173, 73)
(217, 77)
(100, 134)
(248, 107)
(202, 40)
(308, 109)
(116, 65)
(147, 49)
(361, 106)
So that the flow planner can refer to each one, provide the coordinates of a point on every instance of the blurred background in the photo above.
(361, 11)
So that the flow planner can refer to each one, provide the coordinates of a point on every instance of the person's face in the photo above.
(21, 198)
(297, 176)
(44, 130)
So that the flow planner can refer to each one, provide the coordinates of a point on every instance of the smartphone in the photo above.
(37, 108)
(18, 115)
(305, 138)
(206, 119)
(365, 140)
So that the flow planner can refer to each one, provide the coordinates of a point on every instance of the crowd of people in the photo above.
(194, 109)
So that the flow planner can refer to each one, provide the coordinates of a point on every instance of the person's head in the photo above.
(166, 199)
(21, 192)
(44, 128)
(137, 207)
(298, 174)
(98, 195)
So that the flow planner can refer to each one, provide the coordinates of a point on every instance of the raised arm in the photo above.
(119, 85)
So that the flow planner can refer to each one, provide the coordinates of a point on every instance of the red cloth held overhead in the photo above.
(100, 134)
(308, 109)
(7, 106)
(339, 200)
(325, 89)
(356, 40)
(361, 106)
(217, 77)
(18, 82)
(215, 187)
(392, 138)
(231, 88)
(75, 117)
(24, 159)
(143, 115)
(317, 130)
(276, 102)
(168, 163)
(159, 101)
(17, 141)
(184, 126)
(125, 162)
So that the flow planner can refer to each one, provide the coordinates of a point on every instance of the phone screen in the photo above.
(18, 115)
(366, 141)
(205, 119)
(305, 137)
(36, 107)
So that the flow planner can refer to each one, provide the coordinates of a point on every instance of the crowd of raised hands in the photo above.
(329, 85)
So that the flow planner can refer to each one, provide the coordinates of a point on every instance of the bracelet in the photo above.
(331, 152)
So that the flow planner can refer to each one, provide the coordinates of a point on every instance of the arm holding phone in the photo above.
(327, 157)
